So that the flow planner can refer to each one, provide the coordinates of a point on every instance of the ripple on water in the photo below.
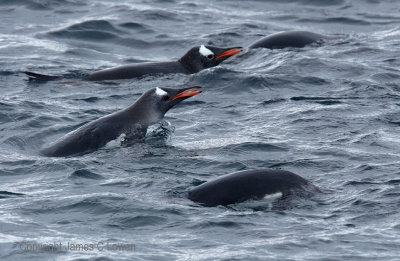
(253, 146)
(85, 174)
(337, 20)
(48, 5)
(7, 194)
(98, 205)
(91, 30)
(136, 221)
(319, 100)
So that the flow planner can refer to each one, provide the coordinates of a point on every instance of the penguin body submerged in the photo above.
(282, 40)
(246, 185)
(137, 71)
(196, 59)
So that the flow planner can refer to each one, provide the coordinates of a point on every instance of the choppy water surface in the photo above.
(328, 113)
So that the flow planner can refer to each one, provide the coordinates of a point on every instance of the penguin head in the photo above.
(168, 98)
(156, 102)
(204, 56)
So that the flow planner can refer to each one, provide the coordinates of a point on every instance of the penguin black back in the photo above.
(245, 185)
(288, 39)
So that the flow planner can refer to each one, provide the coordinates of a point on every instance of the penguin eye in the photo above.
(166, 97)
(210, 56)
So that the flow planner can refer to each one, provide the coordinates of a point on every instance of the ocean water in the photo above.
(329, 113)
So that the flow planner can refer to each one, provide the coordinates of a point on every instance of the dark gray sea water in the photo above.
(329, 113)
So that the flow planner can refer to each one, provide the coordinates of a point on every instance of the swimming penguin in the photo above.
(250, 184)
(288, 39)
(133, 122)
(196, 59)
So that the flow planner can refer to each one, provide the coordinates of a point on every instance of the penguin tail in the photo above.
(41, 77)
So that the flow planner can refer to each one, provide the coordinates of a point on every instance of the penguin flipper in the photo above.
(40, 77)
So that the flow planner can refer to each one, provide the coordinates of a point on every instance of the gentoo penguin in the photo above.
(288, 39)
(196, 59)
(133, 122)
(250, 184)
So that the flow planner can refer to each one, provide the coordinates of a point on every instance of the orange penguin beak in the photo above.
(188, 93)
(229, 52)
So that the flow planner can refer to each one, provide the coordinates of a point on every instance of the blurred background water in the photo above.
(329, 113)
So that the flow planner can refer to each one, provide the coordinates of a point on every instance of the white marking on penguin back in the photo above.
(205, 51)
(160, 92)
(266, 201)
(273, 197)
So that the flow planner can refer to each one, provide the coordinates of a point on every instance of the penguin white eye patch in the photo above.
(160, 92)
(205, 51)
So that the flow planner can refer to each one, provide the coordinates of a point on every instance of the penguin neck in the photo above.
(143, 114)
(187, 62)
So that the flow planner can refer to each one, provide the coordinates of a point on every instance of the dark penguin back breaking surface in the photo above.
(245, 185)
(288, 39)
